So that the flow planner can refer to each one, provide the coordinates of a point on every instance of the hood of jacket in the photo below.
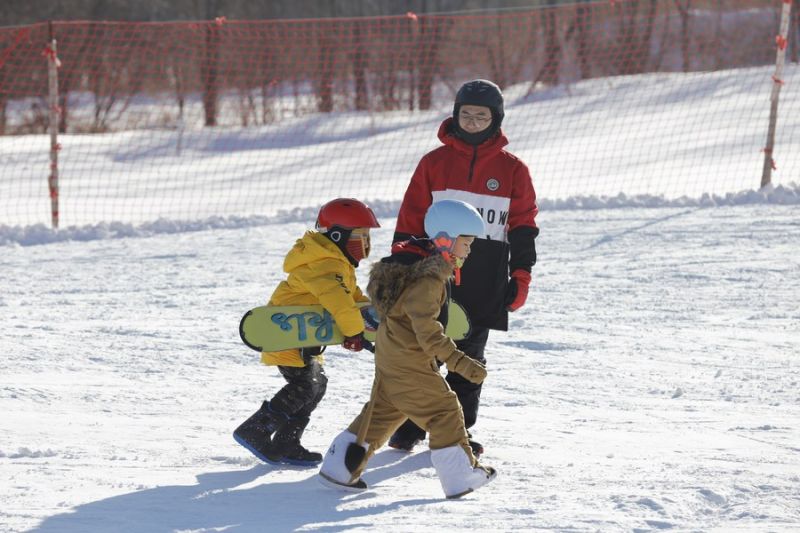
(311, 247)
(410, 261)
(489, 147)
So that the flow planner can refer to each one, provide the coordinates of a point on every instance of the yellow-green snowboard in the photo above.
(270, 328)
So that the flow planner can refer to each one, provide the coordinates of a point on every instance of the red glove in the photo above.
(354, 343)
(517, 291)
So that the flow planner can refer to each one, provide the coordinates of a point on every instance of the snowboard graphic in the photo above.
(270, 328)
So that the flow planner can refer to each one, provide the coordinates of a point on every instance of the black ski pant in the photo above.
(305, 387)
(469, 394)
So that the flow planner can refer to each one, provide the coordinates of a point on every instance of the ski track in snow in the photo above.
(650, 383)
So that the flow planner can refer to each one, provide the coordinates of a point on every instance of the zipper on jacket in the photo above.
(472, 163)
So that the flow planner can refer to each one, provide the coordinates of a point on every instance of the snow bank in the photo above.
(41, 234)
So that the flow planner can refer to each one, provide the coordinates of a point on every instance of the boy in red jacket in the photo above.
(473, 166)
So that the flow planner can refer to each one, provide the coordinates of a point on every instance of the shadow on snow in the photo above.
(215, 503)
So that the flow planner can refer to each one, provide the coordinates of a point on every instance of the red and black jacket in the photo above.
(499, 185)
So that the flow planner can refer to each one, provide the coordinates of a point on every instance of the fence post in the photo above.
(781, 40)
(52, 78)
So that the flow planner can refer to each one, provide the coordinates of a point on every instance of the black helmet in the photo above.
(482, 93)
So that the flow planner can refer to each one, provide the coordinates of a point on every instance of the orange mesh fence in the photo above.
(189, 120)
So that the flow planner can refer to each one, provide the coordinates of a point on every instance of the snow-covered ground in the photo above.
(650, 383)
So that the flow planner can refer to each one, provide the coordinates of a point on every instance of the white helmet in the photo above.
(449, 219)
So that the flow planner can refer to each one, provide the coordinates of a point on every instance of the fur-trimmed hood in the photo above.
(410, 261)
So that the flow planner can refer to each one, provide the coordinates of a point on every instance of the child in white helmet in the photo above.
(409, 291)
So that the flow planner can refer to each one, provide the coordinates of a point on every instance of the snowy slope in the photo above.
(651, 383)
(663, 135)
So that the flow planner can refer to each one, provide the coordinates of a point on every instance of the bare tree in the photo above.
(270, 78)
(432, 31)
(633, 47)
(718, 36)
(497, 52)
(209, 73)
(510, 51)
(580, 27)
(552, 47)
(684, 7)
(326, 47)
(794, 30)
(75, 48)
(359, 59)
(116, 75)
(583, 24)
(663, 44)
(385, 70)
(209, 66)
(3, 96)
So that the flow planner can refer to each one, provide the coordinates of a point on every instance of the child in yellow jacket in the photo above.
(321, 270)
(409, 291)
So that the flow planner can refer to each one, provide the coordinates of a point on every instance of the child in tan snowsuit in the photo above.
(409, 292)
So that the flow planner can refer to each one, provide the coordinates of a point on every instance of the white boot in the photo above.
(457, 475)
(334, 471)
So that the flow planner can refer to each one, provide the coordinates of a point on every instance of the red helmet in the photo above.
(347, 213)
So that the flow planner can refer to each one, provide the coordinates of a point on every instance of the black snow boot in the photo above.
(286, 447)
(477, 447)
(406, 436)
(255, 432)
(399, 442)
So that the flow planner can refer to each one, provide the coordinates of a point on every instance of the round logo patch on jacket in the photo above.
(492, 184)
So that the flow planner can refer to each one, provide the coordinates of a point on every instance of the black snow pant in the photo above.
(305, 387)
(469, 394)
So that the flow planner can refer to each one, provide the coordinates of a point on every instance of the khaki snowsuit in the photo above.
(408, 299)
